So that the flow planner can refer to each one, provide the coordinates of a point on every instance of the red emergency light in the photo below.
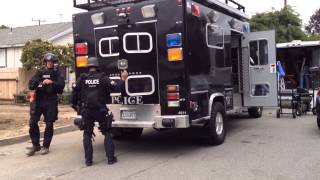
(195, 10)
(81, 48)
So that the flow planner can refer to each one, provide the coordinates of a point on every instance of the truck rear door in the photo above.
(259, 69)
(136, 44)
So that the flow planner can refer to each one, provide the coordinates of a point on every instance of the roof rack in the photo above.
(97, 4)
(240, 7)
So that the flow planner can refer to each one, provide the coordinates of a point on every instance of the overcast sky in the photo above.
(20, 13)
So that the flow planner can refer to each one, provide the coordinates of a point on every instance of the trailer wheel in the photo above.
(299, 110)
(278, 113)
(255, 112)
(216, 125)
(126, 133)
(318, 122)
(294, 114)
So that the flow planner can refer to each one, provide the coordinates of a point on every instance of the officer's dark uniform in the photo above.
(93, 89)
(46, 104)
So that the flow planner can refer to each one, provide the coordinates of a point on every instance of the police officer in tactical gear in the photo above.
(92, 90)
(46, 83)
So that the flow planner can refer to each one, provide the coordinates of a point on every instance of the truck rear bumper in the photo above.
(148, 116)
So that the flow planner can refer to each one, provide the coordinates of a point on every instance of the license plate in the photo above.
(128, 115)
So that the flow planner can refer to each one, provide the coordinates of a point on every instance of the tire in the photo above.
(294, 114)
(314, 111)
(216, 125)
(255, 112)
(318, 122)
(299, 110)
(126, 133)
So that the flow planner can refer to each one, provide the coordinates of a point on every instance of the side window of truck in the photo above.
(259, 52)
(215, 36)
(135, 43)
(109, 47)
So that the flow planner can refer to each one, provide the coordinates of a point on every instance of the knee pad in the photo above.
(49, 124)
(33, 123)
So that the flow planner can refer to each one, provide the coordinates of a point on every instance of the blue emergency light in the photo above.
(174, 40)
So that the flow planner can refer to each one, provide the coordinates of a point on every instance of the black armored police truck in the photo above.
(190, 62)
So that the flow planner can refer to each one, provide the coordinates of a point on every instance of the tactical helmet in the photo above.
(50, 57)
(93, 62)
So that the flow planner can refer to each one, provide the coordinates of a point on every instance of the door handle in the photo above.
(258, 68)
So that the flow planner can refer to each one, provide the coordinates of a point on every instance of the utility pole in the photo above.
(285, 3)
(39, 21)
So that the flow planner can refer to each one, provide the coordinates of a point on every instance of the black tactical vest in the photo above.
(93, 90)
(47, 90)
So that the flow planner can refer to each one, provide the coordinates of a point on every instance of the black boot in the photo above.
(33, 150)
(112, 160)
(89, 163)
(87, 145)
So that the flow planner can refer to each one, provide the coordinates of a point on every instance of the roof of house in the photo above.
(16, 37)
(297, 43)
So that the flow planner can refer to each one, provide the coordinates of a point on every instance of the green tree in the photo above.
(314, 24)
(286, 22)
(4, 27)
(33, 52)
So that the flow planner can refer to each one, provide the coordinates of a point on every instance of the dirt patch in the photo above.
(14, 119)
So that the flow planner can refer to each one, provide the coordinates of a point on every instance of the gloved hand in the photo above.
(75, 107)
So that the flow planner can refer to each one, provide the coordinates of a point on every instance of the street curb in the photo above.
(24, 138)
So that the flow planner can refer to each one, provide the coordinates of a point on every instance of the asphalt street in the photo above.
(265, 148)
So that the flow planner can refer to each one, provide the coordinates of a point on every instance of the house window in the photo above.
(3, 58)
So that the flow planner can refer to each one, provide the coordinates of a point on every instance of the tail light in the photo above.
(318, 94)
(179, 2)
(82, 61)
(175, 54)
(173, 96)
(173, 88)
(173, 103)
(81, 48)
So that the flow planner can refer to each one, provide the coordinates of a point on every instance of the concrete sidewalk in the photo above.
(24, 138)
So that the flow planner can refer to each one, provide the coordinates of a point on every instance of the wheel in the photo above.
(299, 110)
(294, 114)
(318, 122)
(216, 125)
(255, 112)
(126, 133)
(314, 111)
(278, 113)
